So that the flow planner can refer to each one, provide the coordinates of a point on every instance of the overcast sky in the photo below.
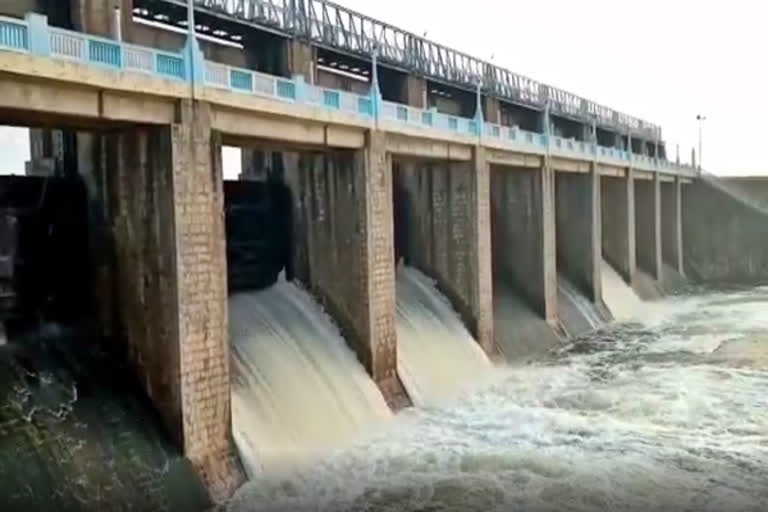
(662, 60)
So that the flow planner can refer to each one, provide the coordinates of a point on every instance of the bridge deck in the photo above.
(49, 71)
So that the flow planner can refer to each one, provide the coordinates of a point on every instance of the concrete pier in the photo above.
(579, 227)
(442, 219)
(343, 246)
(672, 224)
(618, 223)
(523, 235)
(171, 282)
(648, 225)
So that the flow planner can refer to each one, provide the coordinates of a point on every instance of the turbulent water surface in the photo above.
(670, 414)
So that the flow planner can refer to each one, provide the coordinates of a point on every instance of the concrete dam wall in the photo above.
(753, 189)
(725, 238)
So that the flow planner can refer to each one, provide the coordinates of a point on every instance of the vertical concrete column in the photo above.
(94, 16)
(648, 225)
(617, 196)
(415, 91)
(444, 207)
(482, 289)
(171, 274)
(578, 224)
(549, 248)
(301, 60)
(672, 224)
(202, 297)
(524, 242)
(378, 254)
(631, 225)
(345, 198)
(492, 111)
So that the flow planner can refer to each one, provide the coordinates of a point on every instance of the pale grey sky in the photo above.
(661, 60)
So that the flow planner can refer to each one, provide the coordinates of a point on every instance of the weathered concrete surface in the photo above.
(521, 334)
(443, 216)
(648, 225)
(414, 91)
(753, 189)
(724, 238)
(343, 249)
(672, 224)
(617, 196)
(523, 232)
(171, 276)
(579, 227)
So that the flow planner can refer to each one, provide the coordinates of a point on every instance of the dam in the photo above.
(431, 284)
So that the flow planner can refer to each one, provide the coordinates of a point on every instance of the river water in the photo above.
(668, 413)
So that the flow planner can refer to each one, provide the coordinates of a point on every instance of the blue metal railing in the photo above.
(241, 80)
(170, 65)
(33, 35)
(332, 99)
(286, 89)
(107, 53)
(13, 35)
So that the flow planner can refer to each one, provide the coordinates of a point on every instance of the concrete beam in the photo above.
(568, 165)
(402, 145)
(611, 170)
(512, 159)
(243, 125)
(24, 69)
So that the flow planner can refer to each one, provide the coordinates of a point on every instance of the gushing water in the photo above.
(437, 356)
(576, 312)
(619, 297)
(667, 414)
(298, 390)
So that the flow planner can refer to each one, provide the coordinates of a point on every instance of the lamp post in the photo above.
(700, 118)
(191, 17)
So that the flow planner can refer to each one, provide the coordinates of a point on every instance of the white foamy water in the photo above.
(618, 295)
(577, 313)
(437, 357)
(298, 391)
(672, 415)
